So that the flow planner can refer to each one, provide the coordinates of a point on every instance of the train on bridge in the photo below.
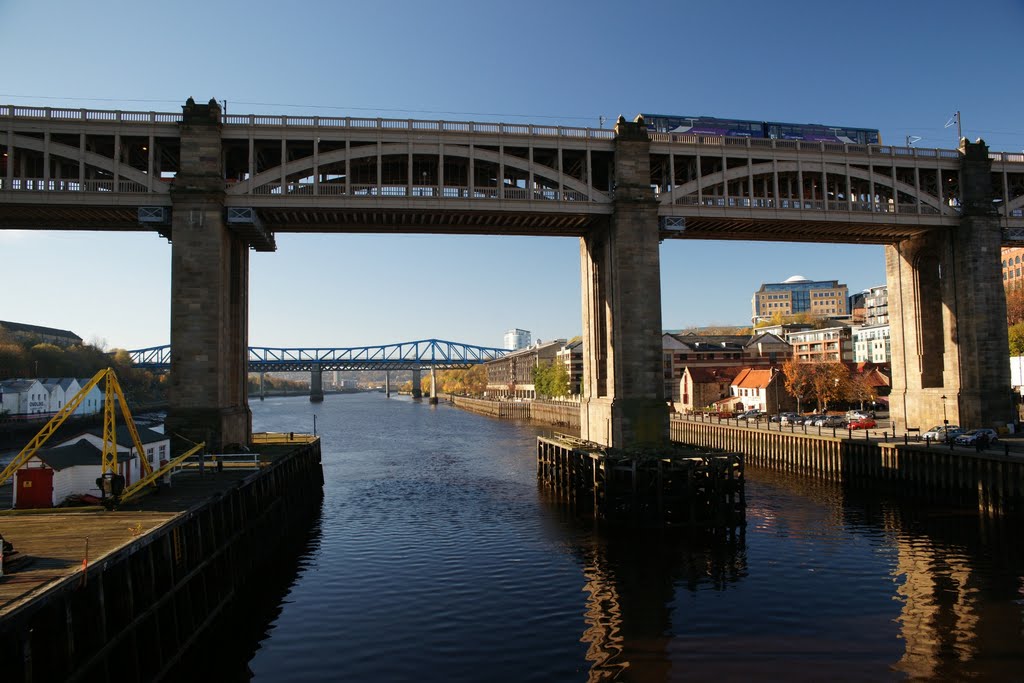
(770, 130)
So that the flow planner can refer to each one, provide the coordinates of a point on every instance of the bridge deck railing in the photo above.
(477, 127)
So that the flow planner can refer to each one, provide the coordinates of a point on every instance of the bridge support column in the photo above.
(623, 391)
(209, 295)
(262, 378)
(947, 314)
(387, 384)
(316, 385)
(417, 392)
(433, 387)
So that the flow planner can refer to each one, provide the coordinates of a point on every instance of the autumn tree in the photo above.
(470, 381)
(13, 360)
(1014, 306)
(861, 390)
(830, 382)
(798, 379)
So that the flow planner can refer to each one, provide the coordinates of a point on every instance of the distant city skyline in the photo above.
(428, 63)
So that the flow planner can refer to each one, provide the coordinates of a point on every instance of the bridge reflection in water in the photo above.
(438, 556)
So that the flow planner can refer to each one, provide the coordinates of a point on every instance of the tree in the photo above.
(798, 379)
(1014, 306)
(470, 381)
(13, 360)
(551, 379)
(1016, 333)
(48, 361)
(830, 382)
(861, 390)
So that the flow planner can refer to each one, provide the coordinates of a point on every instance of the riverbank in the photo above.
(95, 585)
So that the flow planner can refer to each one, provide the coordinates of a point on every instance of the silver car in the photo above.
(942, 433)
(970, 438)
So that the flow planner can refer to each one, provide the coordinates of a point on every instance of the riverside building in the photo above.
(821, 298)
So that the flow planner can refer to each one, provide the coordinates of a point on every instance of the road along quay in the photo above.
(121, 595)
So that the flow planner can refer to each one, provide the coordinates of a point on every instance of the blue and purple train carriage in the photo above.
(811, 132)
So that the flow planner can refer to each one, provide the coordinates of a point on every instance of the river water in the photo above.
(436, 557)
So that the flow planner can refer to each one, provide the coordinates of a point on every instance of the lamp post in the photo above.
(944, 420)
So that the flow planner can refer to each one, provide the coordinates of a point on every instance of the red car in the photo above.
(863, 423)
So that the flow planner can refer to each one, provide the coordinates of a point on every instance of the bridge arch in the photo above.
(90, 158)
(1014, 204)
(306, 165)
(769, 169)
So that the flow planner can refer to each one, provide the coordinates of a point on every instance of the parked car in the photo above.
(860, 414)
(942, 433)
(751, 415)
(864, 423)
(832, 421)
(971, 437)
(792, 419)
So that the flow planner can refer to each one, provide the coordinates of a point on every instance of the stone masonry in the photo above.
(948, 315)
(623, 391)
(209, 305)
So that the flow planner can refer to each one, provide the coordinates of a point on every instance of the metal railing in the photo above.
(207, 462)
(482, 128)
(61, 185)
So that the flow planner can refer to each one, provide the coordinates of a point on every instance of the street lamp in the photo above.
(944, 420)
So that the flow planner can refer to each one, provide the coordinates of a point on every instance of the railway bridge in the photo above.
(416, 356)
(218, 185)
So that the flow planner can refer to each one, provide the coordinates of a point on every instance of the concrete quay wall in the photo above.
(132, 614)
(992, 482)
(558, 413)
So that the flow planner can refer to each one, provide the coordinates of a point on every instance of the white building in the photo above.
(157, 445)
(23, 398)
(517, 339)
(871, 344)
(93, 401)
(72, 467)
(61, 390)
(51, 475)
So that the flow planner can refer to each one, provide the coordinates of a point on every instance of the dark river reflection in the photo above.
(436, 557)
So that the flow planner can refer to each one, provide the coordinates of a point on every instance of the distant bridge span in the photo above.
(411, 355)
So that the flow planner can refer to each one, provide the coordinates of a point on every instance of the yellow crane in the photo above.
(113, 398)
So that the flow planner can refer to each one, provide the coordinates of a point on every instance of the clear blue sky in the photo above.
(902, 67)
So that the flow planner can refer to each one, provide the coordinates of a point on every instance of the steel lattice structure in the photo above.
(411, 355)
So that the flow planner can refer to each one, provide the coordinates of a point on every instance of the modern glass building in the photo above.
(824, 298)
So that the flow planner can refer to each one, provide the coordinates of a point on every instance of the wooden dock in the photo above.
(53, 546)
(157, 573)
(673, 486)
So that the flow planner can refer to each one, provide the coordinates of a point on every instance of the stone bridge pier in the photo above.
(210, 296)
(623, 391)
(947, 314)
(417, 390)
(316, 385)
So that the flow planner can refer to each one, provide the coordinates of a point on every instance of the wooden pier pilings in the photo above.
(675, 487)
(991, 481)
(132, 614)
